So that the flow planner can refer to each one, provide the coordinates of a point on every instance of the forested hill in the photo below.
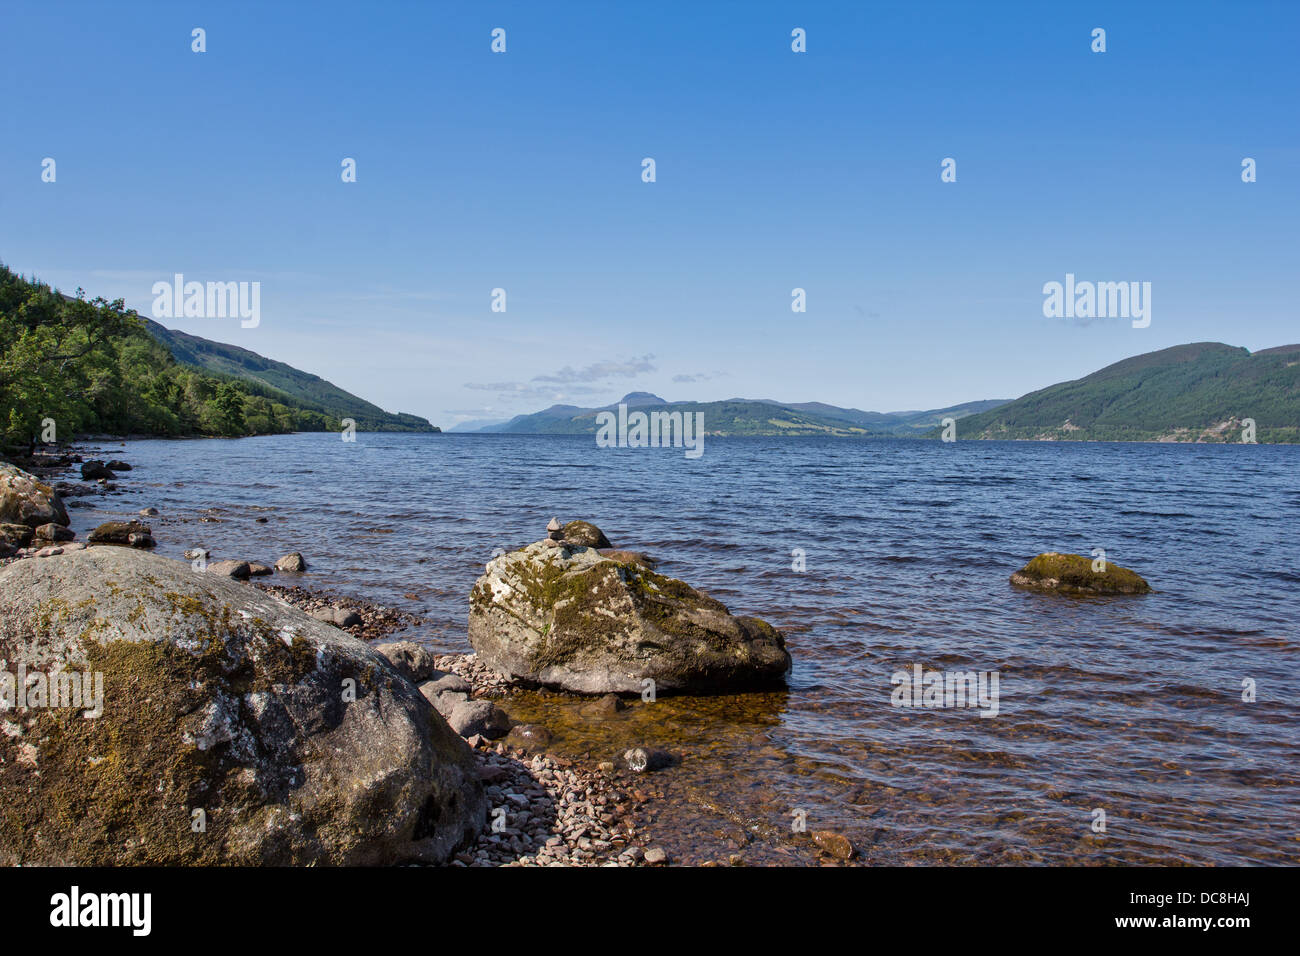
(92, 366)
(1200, 392)
(304, 389)
(743, 416)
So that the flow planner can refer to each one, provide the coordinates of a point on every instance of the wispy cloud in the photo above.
(569, 383)
(698, 377)
(600, 371)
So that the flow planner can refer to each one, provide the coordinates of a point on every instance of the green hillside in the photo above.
(288, 383)
(750, 417)
(1199, 392)
(91, 366)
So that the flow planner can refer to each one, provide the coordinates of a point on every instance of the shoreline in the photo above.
(560, 809)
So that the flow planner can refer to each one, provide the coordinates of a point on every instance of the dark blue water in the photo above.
(1129, 705)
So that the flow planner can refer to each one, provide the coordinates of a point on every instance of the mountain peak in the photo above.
(632, 399)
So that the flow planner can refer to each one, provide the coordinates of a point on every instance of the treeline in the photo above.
(90, 366)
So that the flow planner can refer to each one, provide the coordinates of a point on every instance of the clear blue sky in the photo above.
(775, 170)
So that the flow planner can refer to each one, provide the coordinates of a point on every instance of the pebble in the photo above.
(546, 823)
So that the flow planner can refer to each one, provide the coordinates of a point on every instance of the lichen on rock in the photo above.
(25, 499)
(570, 617)
(1075, 574)
(298, 743)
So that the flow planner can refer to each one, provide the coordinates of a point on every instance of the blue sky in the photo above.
(775, 170)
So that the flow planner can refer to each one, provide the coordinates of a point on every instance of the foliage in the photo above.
(1199, 392)
(92, 367)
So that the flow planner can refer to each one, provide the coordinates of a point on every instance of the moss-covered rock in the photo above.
(135, 534)
(26, 500)
(1074, 574)
(586, 534)
(233, 729)
(567, 616)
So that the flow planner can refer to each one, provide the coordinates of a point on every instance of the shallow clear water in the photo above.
(1131, 705)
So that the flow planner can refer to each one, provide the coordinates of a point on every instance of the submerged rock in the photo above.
(569, 617)
(25, 499)
(293, 742)
(643, 759)
(835, 844)
(529, 737)
(1074, 574)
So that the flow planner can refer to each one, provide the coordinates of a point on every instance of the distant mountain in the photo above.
(1199, 392)
(297, 388)
(745, 416)
(476, 424)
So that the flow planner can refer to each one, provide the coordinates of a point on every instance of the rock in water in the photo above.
(291, 562)
(25, 500)
(239, 570)
(529, 737)
(1074, 574)
(134, 534)
(571, 618)
(585, 533)
(299, 744)
(836, 844)
(642, 759)
(94, 470)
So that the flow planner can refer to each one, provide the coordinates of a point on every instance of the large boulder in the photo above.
(27, 500)
(299, 744)
(569, 617)
(1075, 574)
